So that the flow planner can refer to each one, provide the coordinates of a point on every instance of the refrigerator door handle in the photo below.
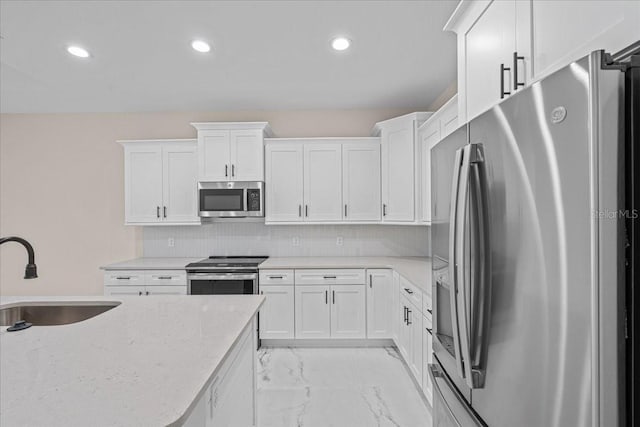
(453, 230)
(460, 264)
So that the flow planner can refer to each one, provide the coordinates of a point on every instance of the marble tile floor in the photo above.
(337, 387)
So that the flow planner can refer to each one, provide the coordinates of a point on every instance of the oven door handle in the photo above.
(224, 276)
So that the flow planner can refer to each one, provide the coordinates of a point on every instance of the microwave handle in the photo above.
(245, 200)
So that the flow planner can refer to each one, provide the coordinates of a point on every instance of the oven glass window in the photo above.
(221, 287)
(222, 200)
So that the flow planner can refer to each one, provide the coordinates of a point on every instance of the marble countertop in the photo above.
(417, 270)
(144, 362)
(151, 264)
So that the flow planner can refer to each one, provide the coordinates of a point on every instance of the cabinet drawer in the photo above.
(276, 277)
(123, 277)
(165, 278)
(330, 277)
(412, 292)
(426, 305)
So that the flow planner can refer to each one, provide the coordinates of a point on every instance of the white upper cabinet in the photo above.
(160, 182)
(143, 183)
(284, 182)
(231, 151)
(567, 30)
(322, 182)
(399, 162)
(179, 190)
(504, 45)
(361, 181)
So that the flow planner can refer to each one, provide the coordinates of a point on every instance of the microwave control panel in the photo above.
(253, 200)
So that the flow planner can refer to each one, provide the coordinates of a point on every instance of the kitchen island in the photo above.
(148, 361)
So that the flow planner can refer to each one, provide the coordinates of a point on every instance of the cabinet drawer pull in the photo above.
(430, 331)
(409, 291)
(147, 293)
(502, 91)
(165, 277)
(429, 310)
(516, 58)
(329, 277)
(139, 292)
(275, 277)
(123, 278)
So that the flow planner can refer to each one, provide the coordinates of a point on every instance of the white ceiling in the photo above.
(269, 55)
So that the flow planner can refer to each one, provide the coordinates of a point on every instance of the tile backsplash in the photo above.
(249, 238)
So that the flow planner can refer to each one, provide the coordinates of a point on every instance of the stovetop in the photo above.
(227, 262)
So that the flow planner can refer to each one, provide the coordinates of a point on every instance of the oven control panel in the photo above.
(253, 199)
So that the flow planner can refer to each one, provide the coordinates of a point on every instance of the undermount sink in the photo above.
(53, 313)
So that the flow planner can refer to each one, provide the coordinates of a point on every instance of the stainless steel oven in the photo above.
(235, 199)
(206, 283)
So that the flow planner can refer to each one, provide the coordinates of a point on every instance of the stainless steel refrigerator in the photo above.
(530, 273)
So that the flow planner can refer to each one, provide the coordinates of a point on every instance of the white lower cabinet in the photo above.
(330, 311)
(410, 337)
(427, 358)
(348, 310)
(230, 397)
(150, 282)
(313, 313)
(277, 313)
(380, 307)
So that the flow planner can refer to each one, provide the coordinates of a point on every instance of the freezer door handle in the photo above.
(453, 232)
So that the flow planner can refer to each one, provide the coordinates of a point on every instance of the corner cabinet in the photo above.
(399, 166)
(231, 151)
(322, 180)
(160, 182)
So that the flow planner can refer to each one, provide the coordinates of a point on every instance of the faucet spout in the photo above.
(31, 271)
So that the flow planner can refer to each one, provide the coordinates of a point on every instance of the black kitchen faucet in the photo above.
(31, 271)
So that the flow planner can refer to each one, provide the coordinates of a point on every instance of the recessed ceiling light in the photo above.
(340, 43)
(200, 46)
(78, 51)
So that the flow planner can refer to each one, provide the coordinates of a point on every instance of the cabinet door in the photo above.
(427, 358)
(247, 155)
(489, 43)
(379, 310)
(398, 172)
(322, 182)
(143, 184)
(404, 335)
(284, 182)
(214, 155)
(415, 343)
(277, 314)
(564, 31)
(429, 136)
(348, 311)
(180, 193)
(312, 311)
(165, 290)
(124, 290)
(361, 181)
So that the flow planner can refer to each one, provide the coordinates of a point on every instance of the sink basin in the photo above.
(53, 313)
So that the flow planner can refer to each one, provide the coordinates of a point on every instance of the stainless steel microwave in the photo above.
(234, 199)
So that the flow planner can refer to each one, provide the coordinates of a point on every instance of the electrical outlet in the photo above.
(171, 242)
(339, 241)
(295, 241)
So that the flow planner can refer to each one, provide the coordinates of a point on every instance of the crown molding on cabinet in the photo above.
(156, 141)
(264, 126)
(465, 15)
(419, 117)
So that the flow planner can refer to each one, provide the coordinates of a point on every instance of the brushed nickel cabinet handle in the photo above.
(516, 58)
